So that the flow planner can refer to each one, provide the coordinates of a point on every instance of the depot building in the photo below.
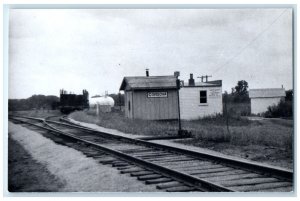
(150, 97)
(157, 97)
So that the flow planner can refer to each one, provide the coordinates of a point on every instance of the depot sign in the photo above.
(160, 94)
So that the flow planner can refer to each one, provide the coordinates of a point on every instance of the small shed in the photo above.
(200, 99)
(150, 97)
(261, 99)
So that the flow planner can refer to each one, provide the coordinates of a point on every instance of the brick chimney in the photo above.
(176, 74)
(191, 80)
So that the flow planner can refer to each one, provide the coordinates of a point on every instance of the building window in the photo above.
(128, 105)
(203, 96)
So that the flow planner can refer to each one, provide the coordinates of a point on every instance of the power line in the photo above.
(253, 40)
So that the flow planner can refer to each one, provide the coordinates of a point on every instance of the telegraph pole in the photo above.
(204, 76)
(179, 120)
(201, 78)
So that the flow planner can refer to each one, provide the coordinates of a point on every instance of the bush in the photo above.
(237, 109)
(282, 109)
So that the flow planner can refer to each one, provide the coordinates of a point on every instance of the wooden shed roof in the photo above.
(151, 82)
(267, 93)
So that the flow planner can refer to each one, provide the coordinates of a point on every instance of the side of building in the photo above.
(261, 99)
(150, 97)
(143, 105)
(156, 98)
(198, 100)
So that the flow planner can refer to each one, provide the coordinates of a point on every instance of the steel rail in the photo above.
(247, 165)
(200, 184)
(250, 166)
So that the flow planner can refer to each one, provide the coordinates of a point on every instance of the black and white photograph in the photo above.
(164, 100)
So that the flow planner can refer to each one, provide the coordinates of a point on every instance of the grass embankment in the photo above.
(268, 140)
(241, 130)
(116, 120)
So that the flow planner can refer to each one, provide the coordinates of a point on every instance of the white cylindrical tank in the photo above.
(103, 103)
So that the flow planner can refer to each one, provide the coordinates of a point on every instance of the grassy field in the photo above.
(241, 130)
(116, 120)
(237, 109)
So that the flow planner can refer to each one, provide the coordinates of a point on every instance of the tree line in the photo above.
(33, 102)
(38, 102)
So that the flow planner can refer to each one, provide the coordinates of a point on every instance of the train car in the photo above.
(71, 102)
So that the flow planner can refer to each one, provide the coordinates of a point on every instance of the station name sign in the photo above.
(215, 93)
(160, 94)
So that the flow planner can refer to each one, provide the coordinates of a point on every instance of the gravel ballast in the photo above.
(72, 170)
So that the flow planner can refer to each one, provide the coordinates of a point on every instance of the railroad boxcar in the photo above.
(71, 102)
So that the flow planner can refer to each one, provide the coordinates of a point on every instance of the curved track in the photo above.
(171, 169)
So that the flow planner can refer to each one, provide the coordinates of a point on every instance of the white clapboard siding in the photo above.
(261, 99)
(190, 107)
(260, 105)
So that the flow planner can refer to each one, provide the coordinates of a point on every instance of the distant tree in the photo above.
(241, 88)
(225, 93)
(282, 109)
(240, 92)
(118, 98)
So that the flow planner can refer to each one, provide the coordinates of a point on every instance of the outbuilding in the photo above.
(150, 97)
(261, 99)
(200, 99)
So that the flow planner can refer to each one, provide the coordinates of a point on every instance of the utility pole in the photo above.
(226, 111)
(178, 85)
(207, 76)
(179, 120)
(201, 78)
(204, 76)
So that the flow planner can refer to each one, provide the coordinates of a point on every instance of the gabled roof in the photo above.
(151, 82)
(267, 93)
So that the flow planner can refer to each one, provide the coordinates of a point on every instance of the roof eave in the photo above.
(123, 85)
(150, 88)
(203, 86)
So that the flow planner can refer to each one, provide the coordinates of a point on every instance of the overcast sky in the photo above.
(51, 49)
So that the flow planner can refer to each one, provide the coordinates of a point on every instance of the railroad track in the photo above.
(169, 168)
